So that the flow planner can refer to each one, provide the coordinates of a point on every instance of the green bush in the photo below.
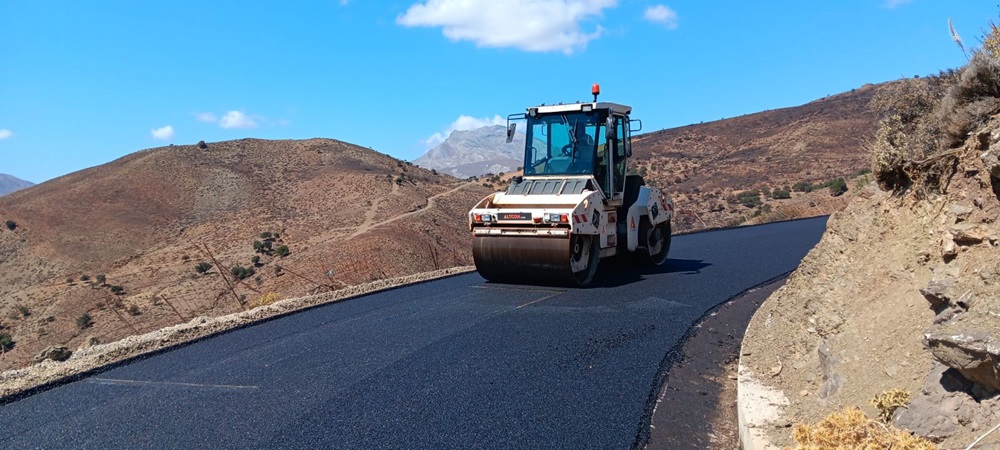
(101, 279)
(803, 186)
(118, 290)
(23, 310)
(11, 225)
(779, 194)
(837, 187)
(266, 235)
(749, 199)
(84, 321)
(6, 341)
(255, 260)
(281, 250)
(202, 267)
(242, 272)
(84, 277)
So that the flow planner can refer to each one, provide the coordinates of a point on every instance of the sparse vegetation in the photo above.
(255, 259)
(133, 310)
(922, 120)
(118, 290)
(84, 278)
(23, 310)
(84, 321)
(101, 279)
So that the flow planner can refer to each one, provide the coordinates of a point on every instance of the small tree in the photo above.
(23, 310)
(255, 260)
(118, 290)
(101, 279)
(281, 250)
(84, 321)
(84, 277)
(266, 235)
(202, 267)
(11, 225)
(202, 145)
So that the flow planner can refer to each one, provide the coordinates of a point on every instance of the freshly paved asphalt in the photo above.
(453, 363)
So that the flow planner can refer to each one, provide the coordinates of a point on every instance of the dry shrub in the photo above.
(265, 299)
(889, 401)
(922, 119)
(850, 429)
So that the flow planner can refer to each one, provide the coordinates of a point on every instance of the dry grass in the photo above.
(852, 429)
(889, 401)
(265, 299)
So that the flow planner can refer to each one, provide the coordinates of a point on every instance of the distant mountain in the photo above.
(10, 183)
(475, 152)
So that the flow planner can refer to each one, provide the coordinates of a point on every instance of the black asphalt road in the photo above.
(453, 363)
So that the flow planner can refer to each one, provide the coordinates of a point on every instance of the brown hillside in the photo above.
(703, 165)
(347, 214)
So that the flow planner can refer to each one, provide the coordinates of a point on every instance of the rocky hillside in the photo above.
(476, 152)
(10, 183)
(144, 241)
(758, 166)
(903, 290)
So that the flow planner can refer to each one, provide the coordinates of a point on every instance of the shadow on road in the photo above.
(616, 272)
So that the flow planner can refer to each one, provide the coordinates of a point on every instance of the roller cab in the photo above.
(575, 203)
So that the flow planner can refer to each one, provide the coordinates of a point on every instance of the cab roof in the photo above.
(573, 107)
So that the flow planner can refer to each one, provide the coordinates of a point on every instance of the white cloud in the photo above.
(663, 15)
(5, 133)
(894, 3)
(206, 117)
(237, 119)
(530, 25)
(463, 123)
(163, 133)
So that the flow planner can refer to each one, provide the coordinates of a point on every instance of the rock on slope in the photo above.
(475, 152)
(903, 292)
(10, 183)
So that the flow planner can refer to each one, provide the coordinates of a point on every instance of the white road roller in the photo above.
(575, 204)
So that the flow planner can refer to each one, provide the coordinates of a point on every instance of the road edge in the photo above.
(18, 384)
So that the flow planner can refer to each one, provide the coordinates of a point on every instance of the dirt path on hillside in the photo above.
(431, 202)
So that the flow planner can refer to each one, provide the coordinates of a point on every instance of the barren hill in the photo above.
(346, 215)
(705, 165)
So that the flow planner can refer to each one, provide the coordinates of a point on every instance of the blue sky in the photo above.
(85, 82)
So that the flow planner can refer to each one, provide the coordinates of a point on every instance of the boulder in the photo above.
(55, 353)
(973, 353)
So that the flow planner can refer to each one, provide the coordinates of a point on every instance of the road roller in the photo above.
(576, 203)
